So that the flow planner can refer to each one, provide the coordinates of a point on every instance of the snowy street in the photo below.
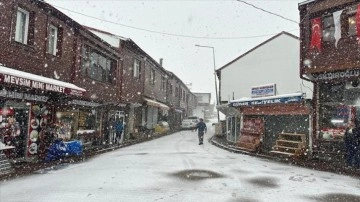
(176, 168)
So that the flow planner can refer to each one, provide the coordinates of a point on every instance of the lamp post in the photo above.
(216, 91)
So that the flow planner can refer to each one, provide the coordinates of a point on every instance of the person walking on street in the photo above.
(351, 141)
(356, 133)
(201, 128)
(118, 127)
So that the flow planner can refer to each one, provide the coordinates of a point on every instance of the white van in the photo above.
(189, 123)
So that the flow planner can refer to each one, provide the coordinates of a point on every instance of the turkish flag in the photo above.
(316, 33)
(358, 22)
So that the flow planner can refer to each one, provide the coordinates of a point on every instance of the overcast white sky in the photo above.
(199, 18)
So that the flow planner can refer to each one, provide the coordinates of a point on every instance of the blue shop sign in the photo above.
(266, 101)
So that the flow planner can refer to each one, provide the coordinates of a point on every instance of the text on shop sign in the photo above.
(32, 84)
(284, 100)
(338, 75)
(22, 96)
(263, 91)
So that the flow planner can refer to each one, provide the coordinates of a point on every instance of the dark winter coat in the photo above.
(352, 138)
(356, 136)
(118, 127)
(201, 127)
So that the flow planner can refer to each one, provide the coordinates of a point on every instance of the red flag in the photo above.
(316, 33)
(358, 22)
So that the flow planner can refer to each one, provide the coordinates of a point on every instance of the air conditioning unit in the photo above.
(353, 84)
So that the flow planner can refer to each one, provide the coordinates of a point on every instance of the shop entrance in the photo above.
(113, 116)
(232, 128)
(14, 118)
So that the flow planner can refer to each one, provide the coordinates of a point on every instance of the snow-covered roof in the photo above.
(306, 2)
(267, 98)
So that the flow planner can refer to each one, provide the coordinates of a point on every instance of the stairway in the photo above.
(290, 145)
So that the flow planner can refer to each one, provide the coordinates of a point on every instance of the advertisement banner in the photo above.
(263, 91)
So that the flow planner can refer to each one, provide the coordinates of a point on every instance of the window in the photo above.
(163, 83)
(22, 26)
(96, 65)
(152, 76)
(328, 29)
(52, 40)
(351, 14)
(170, 89)
(176, 91)
(136, 68)
(352, 25)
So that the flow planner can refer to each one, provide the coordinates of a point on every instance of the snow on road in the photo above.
(176, 168)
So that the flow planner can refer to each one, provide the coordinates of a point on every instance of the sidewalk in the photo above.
(334, 167)
(23, 168)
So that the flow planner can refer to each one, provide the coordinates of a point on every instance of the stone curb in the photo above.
(281, 160)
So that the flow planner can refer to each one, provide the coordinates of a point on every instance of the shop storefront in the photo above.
(231, 127)
(28, 104)
(338, 105)
(174, 118)
(78, 119)
(155, 112)
(263, 119)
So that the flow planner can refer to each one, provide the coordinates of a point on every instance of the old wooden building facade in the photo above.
(330, 58)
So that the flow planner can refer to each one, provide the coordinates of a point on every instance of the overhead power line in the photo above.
(269, 12)
(166, 33)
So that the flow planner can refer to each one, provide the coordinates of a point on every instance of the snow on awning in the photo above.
(284, 99)
(156, 104)
(178, 111)
(228, 110)
(25, 79)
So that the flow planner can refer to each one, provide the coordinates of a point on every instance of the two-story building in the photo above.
(181, 100)
(153, 94)
(330, 58)
(262, 94)
(56, 77)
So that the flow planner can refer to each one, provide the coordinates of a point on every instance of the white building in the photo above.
(263, 81)
(203, 107)
(275, 61)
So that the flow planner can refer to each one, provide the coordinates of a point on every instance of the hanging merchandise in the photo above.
(39, 120)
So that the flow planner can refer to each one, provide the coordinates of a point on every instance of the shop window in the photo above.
(328, 29)
(71, 123)
(96, 65)
(136, 68)
(339, 105)
(22, 26)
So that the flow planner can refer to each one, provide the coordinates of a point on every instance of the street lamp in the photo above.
(216, 91)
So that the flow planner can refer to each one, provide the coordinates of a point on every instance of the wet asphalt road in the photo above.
(176, 168)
